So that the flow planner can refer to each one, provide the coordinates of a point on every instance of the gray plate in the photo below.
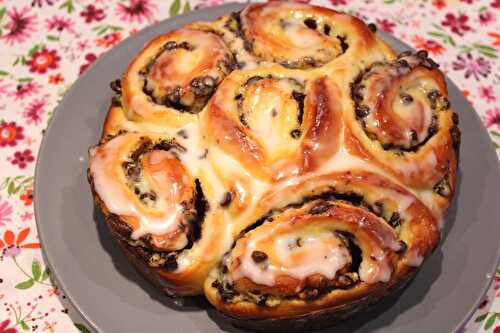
(112, 297)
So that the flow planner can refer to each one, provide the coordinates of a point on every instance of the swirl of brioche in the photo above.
(282, 160)
(275, 122)
(174, 75)
(333, 238)
(156, 209)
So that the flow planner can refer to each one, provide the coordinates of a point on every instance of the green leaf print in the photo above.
(187, 7)
(485, 50)
(45, 274)
(175, 7)
(15, 185)
(481, 318)
(447, 39)
(36, 270)
(26, 284)
(3, 73)
(82, 328)
(68, 6)
(24, 326)
(2, 13)
(53, 38)
(491, 321)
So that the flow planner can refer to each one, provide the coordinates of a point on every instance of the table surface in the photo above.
(46, 44)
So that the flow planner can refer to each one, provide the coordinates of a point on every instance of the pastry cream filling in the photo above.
(296, 254)
(272, 114)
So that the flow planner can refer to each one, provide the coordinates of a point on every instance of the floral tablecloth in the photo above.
(46, 44)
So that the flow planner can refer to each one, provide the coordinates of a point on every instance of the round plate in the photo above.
(112, 297)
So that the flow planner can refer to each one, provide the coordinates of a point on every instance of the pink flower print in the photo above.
(338, 2)
(22, 158)
(386, 25)
(91, 13)
(137, 10)
(34, 110)
(492, 119)
(59, 23)
(475, 67)
(4, 329)
(5, 212)
(3, 88)
(458, 24)
(486, 93)
(486, 17)
(90, 57)
(10, 133)
(20, 25)
(43, 60)
(495, 4)
(25, 89)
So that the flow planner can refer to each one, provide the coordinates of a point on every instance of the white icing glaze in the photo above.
(321, 253)
(110, 185)
(375, 269)
(343, 161)
(413, 258)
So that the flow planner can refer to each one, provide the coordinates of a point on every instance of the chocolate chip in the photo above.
(404, 54)
(443, 187)
(320, 208)
(311, 23)
(406, 98)
(445, 104)
(134, 172)
(116, 101)
(259, 256)
(422, 54)
(413, 137)
(226, 200)
(209, 81)
(174, 96)
(362, 111)
(343, 43)
(183, 134)
(455, 137)
(395, 220)
(224, 269)
(295, 133)
(170, 45)
(429, 63)
(433, 95)
(347, 280)
(372, 27)
(170, 262)
(403, 63)
(433, 127)
(378, 208)
(203, 86)
(116, 86)
(403, 247)
(262, 300)
(299, 242)
(327, 29)
(358, 92)
(455, 119)
(311, 294)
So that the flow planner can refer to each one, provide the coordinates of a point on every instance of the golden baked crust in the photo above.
(282, 160)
